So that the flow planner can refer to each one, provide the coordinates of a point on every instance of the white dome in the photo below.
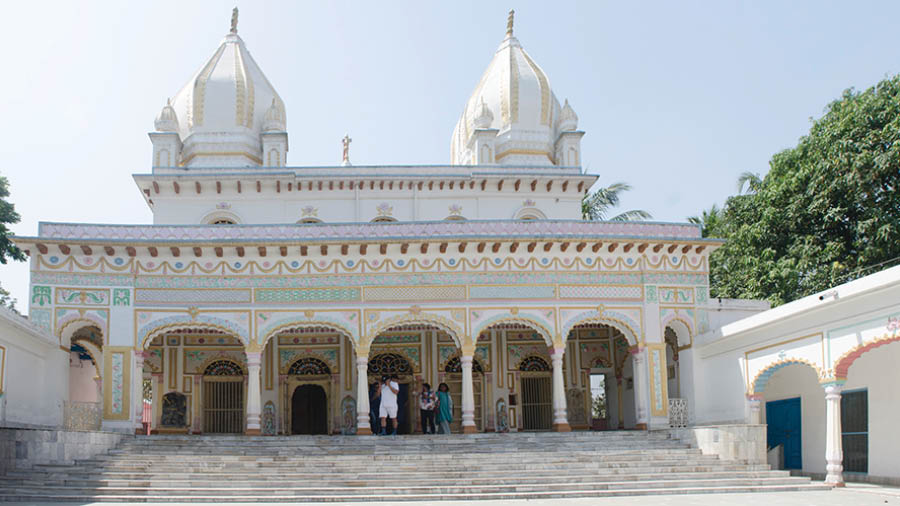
(568, 120)
(515, 87)
(167, 121)
(223, 108)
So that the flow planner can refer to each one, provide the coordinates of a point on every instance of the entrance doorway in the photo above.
(537, 394)
(784, 423)
(309, 413)
(223, 398)
(387, 364)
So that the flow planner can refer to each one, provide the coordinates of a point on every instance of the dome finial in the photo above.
(234, 20)
(509, 23)
(346, 155)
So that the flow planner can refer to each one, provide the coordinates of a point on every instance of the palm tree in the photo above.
(708, 221)
(596, 206)
(751, 180)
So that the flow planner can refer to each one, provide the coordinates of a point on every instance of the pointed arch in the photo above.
(155, 328)
(683, 330)
(619, 321)
(758, 385)
(279, 326)
(68, 326)
(445, 324)
(526, 320)
(843, 363)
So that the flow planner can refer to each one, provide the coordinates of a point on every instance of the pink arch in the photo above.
(843, 363)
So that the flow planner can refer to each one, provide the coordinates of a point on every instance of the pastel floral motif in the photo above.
(455, 210)
(384, 209)
(529, 203)
(309, 211)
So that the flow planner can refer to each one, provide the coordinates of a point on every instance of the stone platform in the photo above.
(369, 468)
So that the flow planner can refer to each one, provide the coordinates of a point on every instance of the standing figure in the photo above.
(388, 408)
(444, 408)
(375, 406)
(427, 402)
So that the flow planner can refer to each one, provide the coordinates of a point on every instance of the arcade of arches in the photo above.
(199, 380)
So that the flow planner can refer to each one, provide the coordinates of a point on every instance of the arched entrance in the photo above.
(535, 383)
(454, 381)
(387, 364)
(309, 380)
(309, 414)
(223, 398)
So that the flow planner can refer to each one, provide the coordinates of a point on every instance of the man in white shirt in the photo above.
(388, 409)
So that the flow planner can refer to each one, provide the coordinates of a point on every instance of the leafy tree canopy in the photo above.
(8, 250)
(828, 210)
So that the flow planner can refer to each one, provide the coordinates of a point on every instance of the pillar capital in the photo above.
(254, 358)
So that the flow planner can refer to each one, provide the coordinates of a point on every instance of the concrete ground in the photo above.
(855, 494)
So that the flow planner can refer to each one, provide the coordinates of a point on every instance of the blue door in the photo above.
(783, 419)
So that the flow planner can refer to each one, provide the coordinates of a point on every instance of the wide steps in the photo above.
(424, 468)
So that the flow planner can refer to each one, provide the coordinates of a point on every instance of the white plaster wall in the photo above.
(82, 386)
(801, 381)
(352, 206)
(719, 388)
(35, 374)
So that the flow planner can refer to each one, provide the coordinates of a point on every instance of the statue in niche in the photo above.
(174, 410)
(268, 419)
(348, 416)
(502, 420)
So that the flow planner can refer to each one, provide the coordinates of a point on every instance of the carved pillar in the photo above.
(620, 404)
(834, 454)
(137, 398)
(283, 404)
(254, 359)
(560, 420)
(468, 395)
(754, 401)
(157, 400)
(362, 394)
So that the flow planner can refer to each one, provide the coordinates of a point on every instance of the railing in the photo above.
(678, 412)
(82, 415)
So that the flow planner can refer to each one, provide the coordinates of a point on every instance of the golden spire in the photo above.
(234, 20)
(509, 23)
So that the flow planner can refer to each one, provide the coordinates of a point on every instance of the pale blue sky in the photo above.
(677, 98)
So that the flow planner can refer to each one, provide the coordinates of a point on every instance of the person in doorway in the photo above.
(444, 408)
(374, 406)
(389, 389)
(427, 403)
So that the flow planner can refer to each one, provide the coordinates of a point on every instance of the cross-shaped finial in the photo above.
(509, 23)
(234, 20)
(346, 143)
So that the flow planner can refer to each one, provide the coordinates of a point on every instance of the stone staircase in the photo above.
(425, 468)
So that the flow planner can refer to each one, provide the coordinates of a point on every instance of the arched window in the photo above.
(310, 220)
(223, 368)
(389, 363)
(223, 221)
(309, 366)
(455, 365)
(534, 364)
(529, 213)
(383, 219)
(455, 217)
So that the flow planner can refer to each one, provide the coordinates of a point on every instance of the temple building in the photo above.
(265, 298)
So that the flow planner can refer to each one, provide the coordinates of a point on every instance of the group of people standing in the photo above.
(433, 406)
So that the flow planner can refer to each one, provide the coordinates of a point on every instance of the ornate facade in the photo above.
(264, 296)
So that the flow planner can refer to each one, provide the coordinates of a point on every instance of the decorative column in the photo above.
(834, 454)
(641, 387)
(157, 400)
(362, 394)
(560, 420)
(254, 359)
(468, 396)
(283, 403)
(137, 400)
(620, 412)
(754, 401)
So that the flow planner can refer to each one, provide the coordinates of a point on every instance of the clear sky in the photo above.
(677, 98)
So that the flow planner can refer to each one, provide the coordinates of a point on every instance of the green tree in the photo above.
(597, 206)
(709, 220)
(8, 250)
(827, 211)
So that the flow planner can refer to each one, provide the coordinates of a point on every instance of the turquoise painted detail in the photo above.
(512, 292)
(121, 297)
(316, 295)
(40, 295)
(650, 294)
